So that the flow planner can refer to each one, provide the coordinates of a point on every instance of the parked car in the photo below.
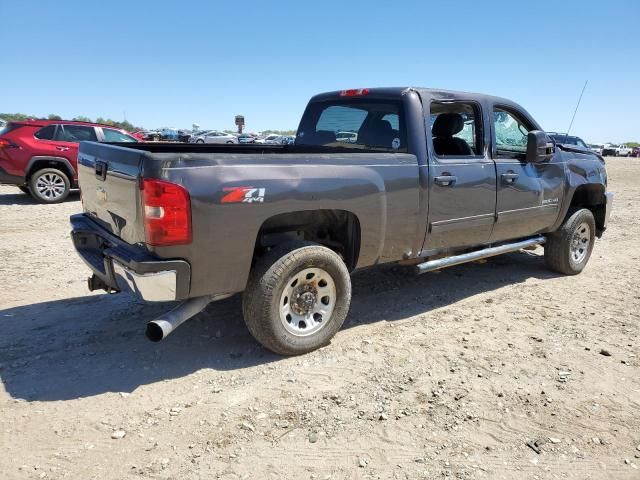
(596, 148)
(139, 135)
(288, 140)
(184, 135)
(214, 136)
(169, 134)
(272, 139)
(623, 151)
(565, 139)
(246, 138)
(609, 150)
(40, 156)
(2, 123)
(635, 152)
(347, 137)
(288, 225)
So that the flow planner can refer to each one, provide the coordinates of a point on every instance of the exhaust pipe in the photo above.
(161, 327)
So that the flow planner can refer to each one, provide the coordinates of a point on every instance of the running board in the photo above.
(478, 254)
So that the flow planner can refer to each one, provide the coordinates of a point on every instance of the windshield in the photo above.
(354, 123)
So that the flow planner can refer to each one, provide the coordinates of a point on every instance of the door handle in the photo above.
(510, 177)
(62, 149)
(445, 180)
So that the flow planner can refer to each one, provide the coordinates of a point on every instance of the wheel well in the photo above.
(593, 198)
(338, 230)
(50, 163)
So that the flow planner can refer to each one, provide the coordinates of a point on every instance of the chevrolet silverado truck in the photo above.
(433, 179)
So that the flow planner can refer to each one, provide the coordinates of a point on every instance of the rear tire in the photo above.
(297, 298)
(49, 185)
(199, 141)
(568, 249)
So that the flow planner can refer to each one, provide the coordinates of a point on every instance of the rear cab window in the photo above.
(358, 124)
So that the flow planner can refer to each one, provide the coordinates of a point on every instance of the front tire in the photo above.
(297, 298)
(49, 185)
(568, 249)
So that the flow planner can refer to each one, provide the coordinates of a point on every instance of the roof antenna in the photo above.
(576, 110)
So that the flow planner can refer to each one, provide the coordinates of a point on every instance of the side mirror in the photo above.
(539, 146)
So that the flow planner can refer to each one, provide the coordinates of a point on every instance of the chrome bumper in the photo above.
(152, 287)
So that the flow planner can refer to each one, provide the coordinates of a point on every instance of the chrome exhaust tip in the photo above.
(165, 324)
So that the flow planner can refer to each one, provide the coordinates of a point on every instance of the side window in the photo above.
(116, 136)
(456, 129)
(76, 133)
(511, 134)
(46, 133)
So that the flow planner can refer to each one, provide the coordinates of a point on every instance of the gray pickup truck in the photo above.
(429, 178)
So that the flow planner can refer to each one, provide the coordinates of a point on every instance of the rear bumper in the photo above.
(122, 267)
(9, 179)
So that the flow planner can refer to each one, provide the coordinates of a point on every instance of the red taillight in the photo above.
(354, 92)
(167, 213)
(6, 143)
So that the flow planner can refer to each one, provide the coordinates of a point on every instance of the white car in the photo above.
(596, 148)
(347, 137)
(214, 136)
(623, 151)
(272, 139)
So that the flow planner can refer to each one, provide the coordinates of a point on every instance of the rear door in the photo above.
(528, 193)
(462, 178)
(67, 139)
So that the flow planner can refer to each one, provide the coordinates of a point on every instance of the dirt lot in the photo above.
(445, 375)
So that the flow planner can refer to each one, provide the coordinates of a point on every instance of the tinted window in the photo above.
(46, 133)
(356, 124)
(511, 134)
(116, 136)
(76, 133)
(456, 129)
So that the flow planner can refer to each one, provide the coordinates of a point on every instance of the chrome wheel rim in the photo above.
(50, 186)
(580, 242)
(307, 302)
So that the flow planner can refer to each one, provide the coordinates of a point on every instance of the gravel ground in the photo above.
(498, 369)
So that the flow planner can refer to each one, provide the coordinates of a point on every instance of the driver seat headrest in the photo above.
(447, 125)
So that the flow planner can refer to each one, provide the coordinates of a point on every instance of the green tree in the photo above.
(11, 117)
(82, 118)
(53, 116)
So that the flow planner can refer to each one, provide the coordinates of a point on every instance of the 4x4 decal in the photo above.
(243, 195)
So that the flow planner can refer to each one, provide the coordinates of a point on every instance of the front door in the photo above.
(462, 178)
(529, 194)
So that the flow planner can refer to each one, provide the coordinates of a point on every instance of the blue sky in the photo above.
(175, 63)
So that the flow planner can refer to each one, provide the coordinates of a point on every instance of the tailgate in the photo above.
(108, 176)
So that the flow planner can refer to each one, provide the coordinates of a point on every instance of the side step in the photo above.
(478, 254)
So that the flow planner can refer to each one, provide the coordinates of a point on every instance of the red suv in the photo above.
(40, 156)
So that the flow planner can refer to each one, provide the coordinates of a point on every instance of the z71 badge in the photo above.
(243, 195)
